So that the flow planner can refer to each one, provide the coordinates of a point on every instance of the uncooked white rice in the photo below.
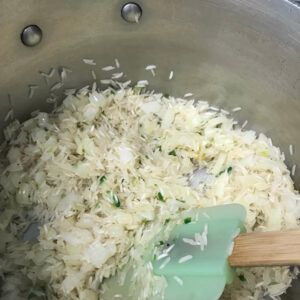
(213, 108)
(296, 270)
(236, 109)
(270, 141)
(188, 95)
(56, 86)
(108, 68)
(291, 149)
(225, 112)
(206, 215)
(89, 61)
(48, 75)
(170, 248)
(190, 242)
(294, 170)
(259, 284)
(106, 81)
(64, 73)
(126, 84)
(171, 75)
(9, 115)
(117, 63)
(94, 76)
(51, 99)
(165, 262)
(117, 75)
(178, 279)
(163, 255)
(142, 83)
(150, 266)
(150, 67)
(185, 259)
(244, 124)
(68, 92)
(31, 90)
(90, 174)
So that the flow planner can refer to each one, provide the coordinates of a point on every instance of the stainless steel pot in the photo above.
(230, 52)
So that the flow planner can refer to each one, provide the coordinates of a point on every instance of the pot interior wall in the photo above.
(232, 53)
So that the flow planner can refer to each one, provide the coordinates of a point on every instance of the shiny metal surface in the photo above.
(31, 35)
(230, 52)
(131, 12)
(297, 2)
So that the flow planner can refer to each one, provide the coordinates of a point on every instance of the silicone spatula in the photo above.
(196, 267)
(198, 257)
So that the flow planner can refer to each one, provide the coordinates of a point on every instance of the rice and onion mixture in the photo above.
(105, 172)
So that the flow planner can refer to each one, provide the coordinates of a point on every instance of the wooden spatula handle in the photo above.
(266, 249)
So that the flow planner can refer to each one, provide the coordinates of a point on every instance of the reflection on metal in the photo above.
(295, 2)
(131, 12)
(31, 35)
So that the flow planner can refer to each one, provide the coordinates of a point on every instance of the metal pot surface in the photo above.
(230, 52)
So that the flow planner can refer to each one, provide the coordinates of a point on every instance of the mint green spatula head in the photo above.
(194, 259)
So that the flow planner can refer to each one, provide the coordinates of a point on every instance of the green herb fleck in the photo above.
(182, 201)
(161, 243)
(112, 89)
(159, 119)
(221, 172)
(242, 277)
(167, 221)
(173, 152)
(229, 169)
(35, 294)
(264, 153)
(154, 257)
(31, 296)
(187, 220)
(160, 197)
(81, 125)
(97, 205)
(137, 90)
(159, 148)
(147, 156)
(102, 179)
(115, 199)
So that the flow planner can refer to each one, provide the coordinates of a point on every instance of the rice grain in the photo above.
(117, 63)
(89, 61)
(108, 68)
(178, 279)
(291, 149)
(185, 259)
